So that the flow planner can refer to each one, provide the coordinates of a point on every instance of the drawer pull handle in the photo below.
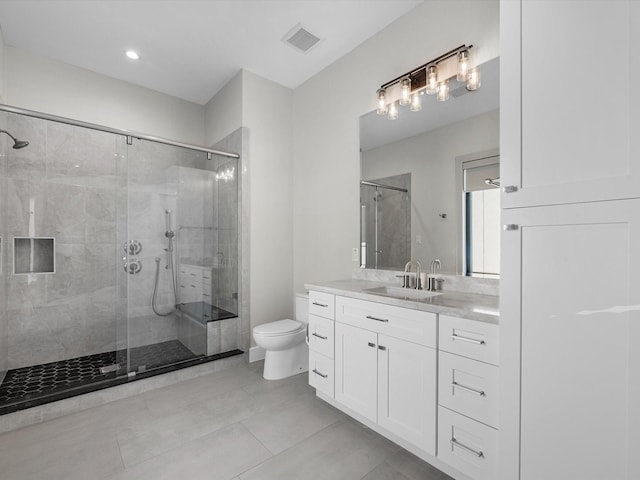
(381, 347)
(465, 339)
(377, 319)
(318, 373)
(456, 443)
(319, 336)
(372, 345)
(320, 305)
(469, 389)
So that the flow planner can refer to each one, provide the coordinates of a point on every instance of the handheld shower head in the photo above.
(17, 144)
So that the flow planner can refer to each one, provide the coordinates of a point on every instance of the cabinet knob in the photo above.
(511, 227)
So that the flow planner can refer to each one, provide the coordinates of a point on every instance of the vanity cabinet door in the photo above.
(356, 369)
(407, 391)
(568, 109)
(570, 313)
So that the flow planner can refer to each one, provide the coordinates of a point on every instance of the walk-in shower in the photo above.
(119, 257)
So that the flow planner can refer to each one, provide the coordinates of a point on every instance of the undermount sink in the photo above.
(402, 293)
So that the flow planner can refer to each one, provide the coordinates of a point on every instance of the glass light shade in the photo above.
(463, 65)
(443, 91)
(393, 111)
(382, 102)
(432, 80)
(416, 102)
(405, 91)
(474, 78)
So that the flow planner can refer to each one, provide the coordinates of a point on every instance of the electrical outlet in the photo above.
(355, 254)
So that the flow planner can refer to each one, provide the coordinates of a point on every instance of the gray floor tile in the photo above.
(384, 471)
(286, 424)
(76, 454)
(415, 469)
(218, 456)
(341, 451)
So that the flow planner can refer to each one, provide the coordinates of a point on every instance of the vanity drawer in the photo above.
(404, 323)
(321, 336)
(321, 374)
(469, 387)
(467, 445)
(322, 304)
(469, 338)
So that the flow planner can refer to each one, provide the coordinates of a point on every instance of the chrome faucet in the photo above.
(407, 277)
(431, 281)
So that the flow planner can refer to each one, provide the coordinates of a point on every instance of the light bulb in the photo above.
(416, 102)
(443, 91)
(382, 102)
(405, 91)
(432, 80)
(393, 111)
(463, 65)
(133, 55)
(474, 78)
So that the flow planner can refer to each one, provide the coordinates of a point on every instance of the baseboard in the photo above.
(256, 354)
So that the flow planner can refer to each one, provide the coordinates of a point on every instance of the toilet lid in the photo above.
(280, 327)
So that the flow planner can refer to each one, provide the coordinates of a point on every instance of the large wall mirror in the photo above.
(429, 182)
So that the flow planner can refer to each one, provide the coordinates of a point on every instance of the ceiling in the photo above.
(191, 48)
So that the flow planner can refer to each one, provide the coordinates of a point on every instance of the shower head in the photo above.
(17, 144)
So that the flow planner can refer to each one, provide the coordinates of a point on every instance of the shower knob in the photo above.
(133, 267)
(132, 247)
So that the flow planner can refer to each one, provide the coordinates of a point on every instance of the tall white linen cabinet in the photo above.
(570, 265)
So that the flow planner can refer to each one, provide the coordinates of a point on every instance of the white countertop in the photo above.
(483, 308)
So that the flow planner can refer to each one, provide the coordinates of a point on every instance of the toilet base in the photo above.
(285, 363)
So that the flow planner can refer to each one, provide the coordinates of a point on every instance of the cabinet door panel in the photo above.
(574, 288)
(356, 366)
(568, 110)
(407, 391)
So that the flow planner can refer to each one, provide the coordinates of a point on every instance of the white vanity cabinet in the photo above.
(569, 101)
(385, 368)
(468, 396)
(321, 342)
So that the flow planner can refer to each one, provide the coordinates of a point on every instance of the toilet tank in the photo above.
(302, 308)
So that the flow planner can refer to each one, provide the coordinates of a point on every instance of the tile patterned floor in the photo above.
(37, 381)
(228, 425)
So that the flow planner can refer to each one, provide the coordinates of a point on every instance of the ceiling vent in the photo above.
(301, 39)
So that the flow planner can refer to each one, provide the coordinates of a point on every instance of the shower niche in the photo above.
(101, 201)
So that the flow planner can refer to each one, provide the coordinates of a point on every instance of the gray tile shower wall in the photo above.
(68, 175)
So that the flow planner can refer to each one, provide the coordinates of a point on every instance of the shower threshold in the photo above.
(39, 384)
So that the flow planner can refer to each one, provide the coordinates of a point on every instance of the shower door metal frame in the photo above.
(117, 131)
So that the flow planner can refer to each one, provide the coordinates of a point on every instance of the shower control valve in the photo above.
(132, 247)
(133, 267)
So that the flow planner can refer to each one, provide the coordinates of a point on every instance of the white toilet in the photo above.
(284, 342)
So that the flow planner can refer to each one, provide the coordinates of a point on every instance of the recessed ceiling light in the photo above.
(132, 55)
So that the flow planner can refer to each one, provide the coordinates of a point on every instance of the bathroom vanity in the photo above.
(420, 369)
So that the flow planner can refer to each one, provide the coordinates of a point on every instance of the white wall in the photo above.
(267, 112)
(44, 85)
(223, 113)
(326, 109)
(431, 159)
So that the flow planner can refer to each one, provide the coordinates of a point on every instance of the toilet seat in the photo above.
(278, 328)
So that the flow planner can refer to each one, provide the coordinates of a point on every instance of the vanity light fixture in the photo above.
(416, 102)
(405, 91)
(463, 65)
(393, 111)
(382, 102)
(432, 78)
(474, 78)
(443, 91)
